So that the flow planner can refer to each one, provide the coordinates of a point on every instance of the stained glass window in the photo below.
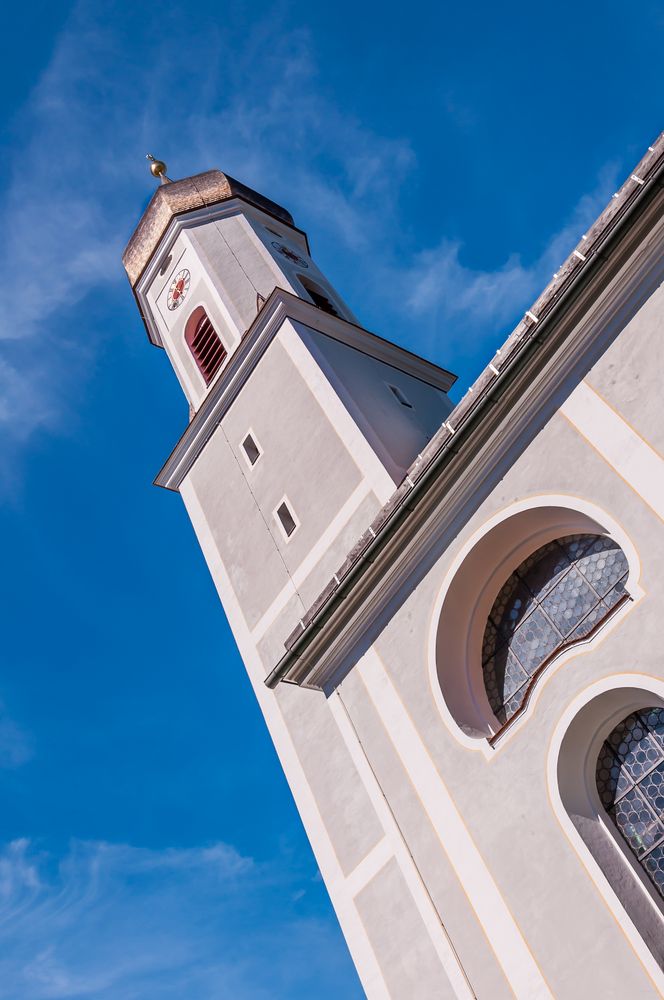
(630, 782)
(558, 595)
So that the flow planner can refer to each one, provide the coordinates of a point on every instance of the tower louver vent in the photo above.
(318, 296)
(205, 345)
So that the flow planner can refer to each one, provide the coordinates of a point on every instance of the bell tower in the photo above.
(302, 424)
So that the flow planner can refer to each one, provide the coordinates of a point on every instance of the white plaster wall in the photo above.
(451, 909)
(300, 445)
(628, 375)
(272, 236)
(219, 306)
(398, 433)
(314, 452)
(403, 948)
(574, 937)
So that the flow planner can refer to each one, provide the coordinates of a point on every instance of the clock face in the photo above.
(178, 289)
(290, 254)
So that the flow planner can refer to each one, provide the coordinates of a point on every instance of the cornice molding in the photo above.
(177, 197)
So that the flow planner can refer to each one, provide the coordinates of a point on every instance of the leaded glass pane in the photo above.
(570, 601)
(654, 720)
(512, 603)
(493, 691)
(576, 545)
(612, 778)
(534, 641)
(514, 703)
(543, 569)
(586, 626)
(635, 747)
(490, 641)
(557, 595)
(652, 787)
(630, 782)
(511, 705)
(635, 820)
(603, 564)
(654, 866)
(513, 675)
(615, 594)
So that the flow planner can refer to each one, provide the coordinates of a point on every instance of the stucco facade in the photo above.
(464, 858)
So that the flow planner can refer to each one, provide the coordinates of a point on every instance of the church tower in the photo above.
(447, 614)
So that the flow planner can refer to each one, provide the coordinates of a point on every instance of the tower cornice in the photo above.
(178, 197)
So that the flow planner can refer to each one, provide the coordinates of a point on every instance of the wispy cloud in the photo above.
(78, 170)
(260, 110)
(115, 922)
(15, 744)
(467, 309)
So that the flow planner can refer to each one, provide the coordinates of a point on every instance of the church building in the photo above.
(451, 615)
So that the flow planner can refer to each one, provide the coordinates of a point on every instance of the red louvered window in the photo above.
(205, 344)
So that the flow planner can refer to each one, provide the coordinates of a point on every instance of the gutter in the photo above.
(579, 268)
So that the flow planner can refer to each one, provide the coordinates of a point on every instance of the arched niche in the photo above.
(576, 746)
(484, 564)
(205, 344)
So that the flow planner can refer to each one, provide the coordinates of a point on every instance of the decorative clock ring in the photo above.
(178, 289)
(290, 254)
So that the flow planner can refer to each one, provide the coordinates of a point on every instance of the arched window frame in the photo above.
(571, 767)
(468, 589)
(638, 784)
(207, 369)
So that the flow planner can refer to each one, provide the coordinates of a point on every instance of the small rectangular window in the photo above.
(251, 450)
(286, 519)
(396, 391)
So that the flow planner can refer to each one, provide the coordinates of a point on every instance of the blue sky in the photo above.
(444, 160)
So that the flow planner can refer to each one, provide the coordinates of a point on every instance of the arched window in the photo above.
(630, 782)
(205, 344)
(557, 596)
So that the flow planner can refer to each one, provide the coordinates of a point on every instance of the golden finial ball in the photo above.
(157, 167)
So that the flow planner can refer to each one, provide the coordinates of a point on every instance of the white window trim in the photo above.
(250, 432)
(629, 682)
(569, 506)
(275, 515)
(609, 827)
